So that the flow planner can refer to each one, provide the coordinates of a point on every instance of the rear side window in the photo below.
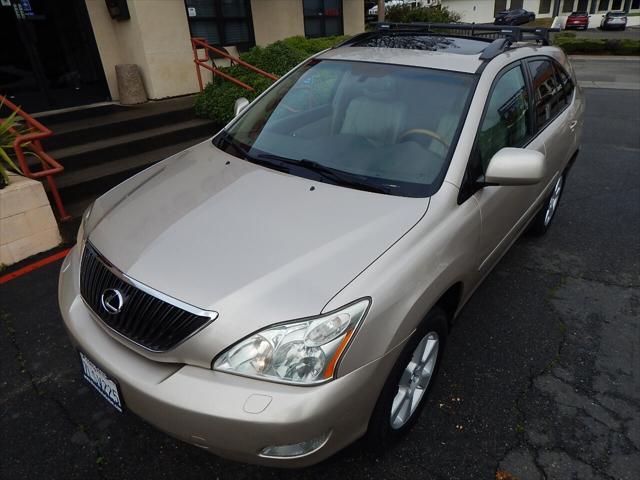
(506, 121)
(566, 84)
(548, 95)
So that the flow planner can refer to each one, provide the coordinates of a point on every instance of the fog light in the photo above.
(296, 449)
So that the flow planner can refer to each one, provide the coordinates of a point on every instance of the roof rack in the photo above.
(502, 36)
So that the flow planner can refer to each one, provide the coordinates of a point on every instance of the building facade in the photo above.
(63, 53)
(482, 11)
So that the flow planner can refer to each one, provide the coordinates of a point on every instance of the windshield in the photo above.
(376, 127)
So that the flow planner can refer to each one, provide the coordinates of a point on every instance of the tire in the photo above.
(541, 222)
(384, 430)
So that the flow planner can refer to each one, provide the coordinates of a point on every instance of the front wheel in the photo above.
(543, 218)
(404, 394)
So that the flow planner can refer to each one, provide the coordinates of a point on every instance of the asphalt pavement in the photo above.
(621, 73)
(540, 380)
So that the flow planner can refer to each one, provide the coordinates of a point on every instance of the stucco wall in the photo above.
(276, 19)
(479, 11)
(156, 38)
(353, 16)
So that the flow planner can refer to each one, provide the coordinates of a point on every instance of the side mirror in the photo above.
(515, 166)
(239, 106)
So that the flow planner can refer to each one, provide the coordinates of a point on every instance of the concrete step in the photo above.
(102, 145)
(135, 142)
(119, 122)
(55, 117)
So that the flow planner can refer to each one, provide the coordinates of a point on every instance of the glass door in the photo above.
(49, 57)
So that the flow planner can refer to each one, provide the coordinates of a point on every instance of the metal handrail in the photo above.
(200, 43)
(31, 141)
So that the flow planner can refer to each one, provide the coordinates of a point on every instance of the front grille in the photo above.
(144, 318)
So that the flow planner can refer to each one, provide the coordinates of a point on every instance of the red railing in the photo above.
(201, 44)
(30, 140)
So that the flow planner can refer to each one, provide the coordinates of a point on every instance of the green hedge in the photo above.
(597, 46)
(217, 100)
(409, 13)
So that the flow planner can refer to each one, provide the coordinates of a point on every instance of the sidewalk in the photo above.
(620, 73)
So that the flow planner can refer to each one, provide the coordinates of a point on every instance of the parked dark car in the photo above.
(517, 16)
(614, 21)
(577, 20)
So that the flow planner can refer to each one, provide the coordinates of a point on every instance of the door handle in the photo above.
(573, 125)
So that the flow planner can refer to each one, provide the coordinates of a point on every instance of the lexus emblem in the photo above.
(112, 301)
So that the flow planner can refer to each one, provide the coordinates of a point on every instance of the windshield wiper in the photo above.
(339, 177)
(245, 155)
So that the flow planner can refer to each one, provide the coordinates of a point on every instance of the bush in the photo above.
(408, 14)
(217, 100)
(573, 45)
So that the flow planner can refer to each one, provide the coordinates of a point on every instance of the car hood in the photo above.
(255, 245)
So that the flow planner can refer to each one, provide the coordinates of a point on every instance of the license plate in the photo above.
(99, 380)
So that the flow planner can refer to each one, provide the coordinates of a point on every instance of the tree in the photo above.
(381, 10)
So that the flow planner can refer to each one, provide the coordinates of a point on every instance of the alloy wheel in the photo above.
(415, 380)
(553, 201)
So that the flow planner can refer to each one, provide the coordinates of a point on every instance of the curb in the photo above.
(626, 58)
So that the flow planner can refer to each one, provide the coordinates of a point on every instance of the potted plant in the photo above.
(10, 128)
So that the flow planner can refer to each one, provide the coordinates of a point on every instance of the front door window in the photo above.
(507, 121)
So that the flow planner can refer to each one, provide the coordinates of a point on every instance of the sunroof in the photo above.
(433, 43)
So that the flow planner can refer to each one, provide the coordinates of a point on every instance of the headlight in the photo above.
(302, 351)
(82, 233)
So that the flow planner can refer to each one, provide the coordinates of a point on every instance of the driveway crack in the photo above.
(34, 384)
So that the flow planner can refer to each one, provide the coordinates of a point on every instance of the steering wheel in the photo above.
(426, 133)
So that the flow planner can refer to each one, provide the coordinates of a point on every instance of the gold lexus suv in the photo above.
(286, 287)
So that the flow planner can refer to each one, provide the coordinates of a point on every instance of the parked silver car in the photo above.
(275, 293)
(614, 21)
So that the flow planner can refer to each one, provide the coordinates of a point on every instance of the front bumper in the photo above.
(232, 416)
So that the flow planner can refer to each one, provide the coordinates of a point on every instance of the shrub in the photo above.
(629, 46)
(217, 100)
(566, 34)
(408, 13)
(572, 45)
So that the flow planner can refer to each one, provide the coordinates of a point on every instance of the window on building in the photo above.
(499, 6)
(616, 5)
(516, 4)
(545, 6)
(506, 121)
(603, 6)
(635, 4)
(221, 22)
(567, 6)
(322, 18)
(548, 95)
(583, 6)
